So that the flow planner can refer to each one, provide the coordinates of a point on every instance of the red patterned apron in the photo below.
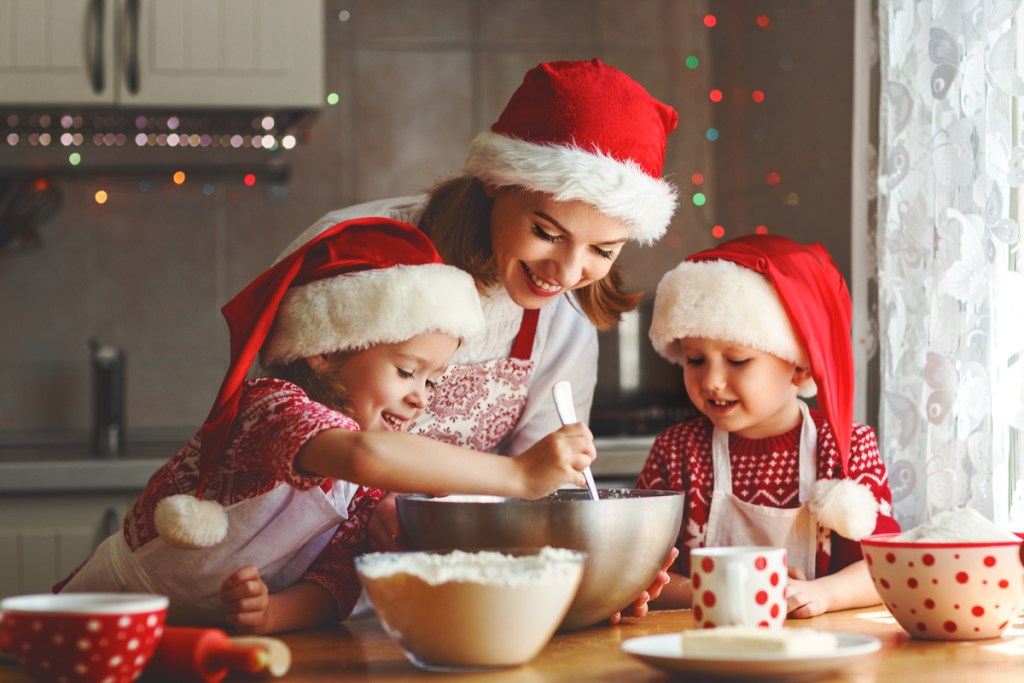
(477, 406)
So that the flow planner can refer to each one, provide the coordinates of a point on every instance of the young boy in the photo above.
(757, 323)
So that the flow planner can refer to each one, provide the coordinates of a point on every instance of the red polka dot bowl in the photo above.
(82, 637)
(947, 591)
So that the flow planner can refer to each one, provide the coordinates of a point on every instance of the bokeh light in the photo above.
(718, 232)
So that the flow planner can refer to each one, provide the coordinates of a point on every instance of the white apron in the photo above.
(476, 406)
(734, 522)
(281, 532)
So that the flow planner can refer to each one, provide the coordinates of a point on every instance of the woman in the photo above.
(568, 174)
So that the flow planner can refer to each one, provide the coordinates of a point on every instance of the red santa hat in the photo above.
(361, 282)
(584, 131)
(789, 299)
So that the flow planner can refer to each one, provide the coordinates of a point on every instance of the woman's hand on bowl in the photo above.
(639, 607)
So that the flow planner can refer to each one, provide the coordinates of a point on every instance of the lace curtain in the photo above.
(950, 291)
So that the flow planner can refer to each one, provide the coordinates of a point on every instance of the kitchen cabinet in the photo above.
(162, 53)
(44, 537)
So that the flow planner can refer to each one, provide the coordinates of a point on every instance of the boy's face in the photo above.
(543, 248)
(742, 390)
(389, 385)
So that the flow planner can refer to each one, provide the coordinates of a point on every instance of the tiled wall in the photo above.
(417, 79)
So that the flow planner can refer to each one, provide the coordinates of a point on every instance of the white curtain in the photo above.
(950, 292)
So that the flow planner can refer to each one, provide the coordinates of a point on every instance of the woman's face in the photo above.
(543, 248)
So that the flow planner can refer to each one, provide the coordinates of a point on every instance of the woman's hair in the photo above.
(458, 220)
(320, 385)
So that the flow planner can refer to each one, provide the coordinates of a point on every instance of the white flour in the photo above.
(484, 567)
(961, 525)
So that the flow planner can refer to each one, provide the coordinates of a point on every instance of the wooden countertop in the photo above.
(361, 651)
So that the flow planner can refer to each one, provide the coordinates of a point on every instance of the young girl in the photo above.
(352, 329)
(757, 323)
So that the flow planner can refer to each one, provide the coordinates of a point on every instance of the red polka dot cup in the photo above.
(82, 637)
(947, 591)
(739, 586)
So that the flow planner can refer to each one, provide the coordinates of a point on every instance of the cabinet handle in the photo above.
(112, 521)
(96, 11)
(131, 15)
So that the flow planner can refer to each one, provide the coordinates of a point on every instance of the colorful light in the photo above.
(764, 22)
(100, 196)
(711, 134)
(699, 199)
(332, 98)
(249, 179)
(74, 158)
(697, 178)
(718, 232)
(692, 62)
(715, 95)
(773, 178)
(178, 177)
(761, 230)
(710, 20)
(757, 96)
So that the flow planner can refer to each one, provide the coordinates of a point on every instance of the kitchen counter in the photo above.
(39, 469)
(361, 651)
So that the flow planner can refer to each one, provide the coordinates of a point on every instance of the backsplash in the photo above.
(148, 270)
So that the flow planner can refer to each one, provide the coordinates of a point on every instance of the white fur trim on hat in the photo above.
(384, 305)
(724, 301)
(185, 521)
(846, 507)
(618, 189)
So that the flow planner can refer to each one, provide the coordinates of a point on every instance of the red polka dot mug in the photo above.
(82, 637)
(739, 586)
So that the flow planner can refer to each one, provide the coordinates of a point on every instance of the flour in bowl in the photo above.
(961, 525)
(484, 566)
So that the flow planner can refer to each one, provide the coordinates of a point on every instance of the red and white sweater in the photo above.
(764, 472)
(275, 419)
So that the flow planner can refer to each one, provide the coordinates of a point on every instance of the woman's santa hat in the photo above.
(788, 299)
(359, 283)
(584, 131)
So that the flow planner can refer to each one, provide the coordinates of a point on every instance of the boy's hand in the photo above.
(639, 607)
(246, 601)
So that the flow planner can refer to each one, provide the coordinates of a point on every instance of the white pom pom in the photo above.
(849, 509)
(187, 522)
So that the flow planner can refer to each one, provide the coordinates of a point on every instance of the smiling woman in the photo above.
(549, 197)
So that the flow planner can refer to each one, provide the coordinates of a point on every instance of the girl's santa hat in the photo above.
(584, 131)
(359, 283)
(788, 299)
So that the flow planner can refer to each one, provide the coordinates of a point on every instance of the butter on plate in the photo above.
(741, 640)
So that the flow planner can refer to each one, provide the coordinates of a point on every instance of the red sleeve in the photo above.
(334, 569)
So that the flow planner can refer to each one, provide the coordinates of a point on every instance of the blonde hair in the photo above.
(458, 220)
(320, 384)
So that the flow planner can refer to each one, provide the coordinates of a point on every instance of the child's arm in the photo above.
(252, 610)
(848, 588)
(676, 594)
(402, 462)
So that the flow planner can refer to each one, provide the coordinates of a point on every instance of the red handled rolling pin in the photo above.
(209, 655)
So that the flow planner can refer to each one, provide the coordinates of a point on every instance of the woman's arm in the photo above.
(403, 462)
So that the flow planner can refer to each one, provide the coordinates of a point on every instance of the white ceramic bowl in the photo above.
(471, 610)
(947, 591)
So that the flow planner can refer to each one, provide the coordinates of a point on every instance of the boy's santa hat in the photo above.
(359, 283)
(788, 299)
(584, 131)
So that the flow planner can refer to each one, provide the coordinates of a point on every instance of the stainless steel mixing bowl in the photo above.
(627, 536)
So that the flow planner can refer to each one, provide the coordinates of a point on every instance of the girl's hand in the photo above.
(639, 607)
(246, 601)
(557, 459)
(804, 598)
(383, 527)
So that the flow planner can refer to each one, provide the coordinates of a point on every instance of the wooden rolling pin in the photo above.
(209, 655)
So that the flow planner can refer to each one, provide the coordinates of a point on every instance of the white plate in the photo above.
(665, 651)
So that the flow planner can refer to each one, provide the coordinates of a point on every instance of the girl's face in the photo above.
(543, 248)
(742, 390)
(389, 385)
